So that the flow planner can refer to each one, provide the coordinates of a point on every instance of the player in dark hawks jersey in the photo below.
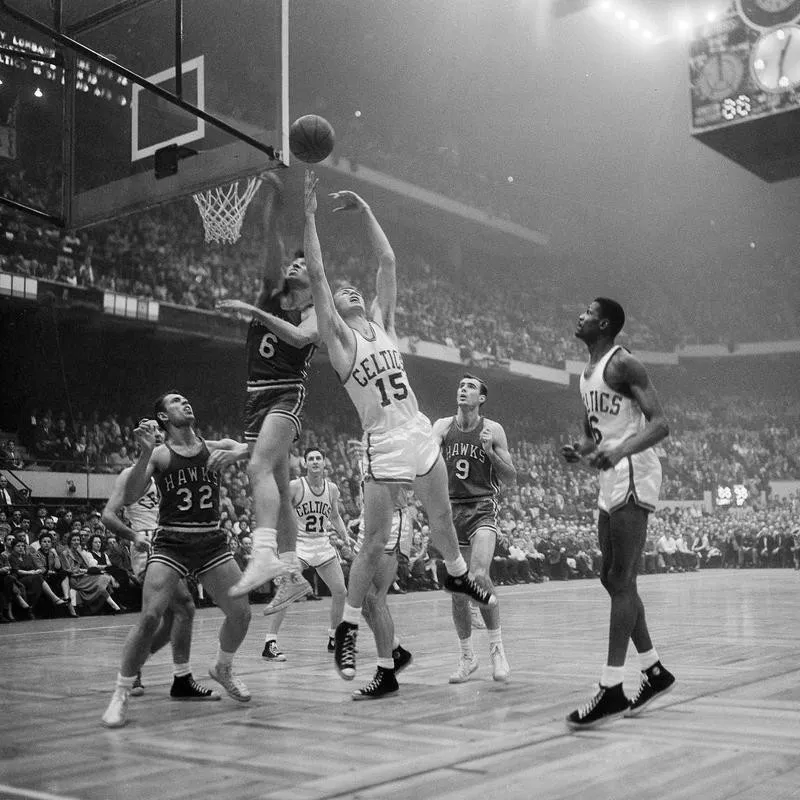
(188, 540)
(476, 454)
(280, 343)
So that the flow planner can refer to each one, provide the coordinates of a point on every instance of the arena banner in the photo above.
(781, 489)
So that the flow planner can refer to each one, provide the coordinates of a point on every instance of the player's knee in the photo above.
(619, 583)
(240, 613)
(150, 619)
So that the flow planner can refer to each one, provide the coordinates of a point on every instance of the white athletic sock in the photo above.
(181, 670)
(386, 663)
(395, 643)
(647, 659)
(612, 676)
(224, 659)
(270, 637)
(466, 647)
(495, 636)
(457, 567)
(351, 614)
(331, 632)
(123, 682)
(265, 539)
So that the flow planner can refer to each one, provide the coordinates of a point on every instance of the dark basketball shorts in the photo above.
(468, 517)
(286, 401)
(190, 553)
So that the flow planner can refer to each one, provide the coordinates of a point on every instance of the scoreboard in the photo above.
(744, 69)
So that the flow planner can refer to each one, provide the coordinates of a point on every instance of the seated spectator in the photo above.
(55, 579)
(686, 557)
(667, 547)
(123, 583)
(90, 584)
(16, 586)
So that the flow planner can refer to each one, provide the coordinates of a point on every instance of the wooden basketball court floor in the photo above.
(731, 728)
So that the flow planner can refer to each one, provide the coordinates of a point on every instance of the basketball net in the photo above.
(222, 210)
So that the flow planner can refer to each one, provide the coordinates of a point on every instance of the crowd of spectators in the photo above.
(160, 254)
(547, 524)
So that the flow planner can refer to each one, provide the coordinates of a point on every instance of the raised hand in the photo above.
(145, 434)
(350, 201)
(310, 192)
(487, 439)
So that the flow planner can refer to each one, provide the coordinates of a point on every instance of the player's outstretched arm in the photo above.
(224, 452)
(336, 516)
(114, 504)
(627, 372)
(273, 258)
(440, 429)
(145, 465)
(383, 307)
(495, 444)
(333, 330)
(296, 335)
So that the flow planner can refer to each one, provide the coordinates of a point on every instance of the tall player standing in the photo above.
(399, 446)
(189, 539)
(315, 501)
(475, 451)
(176, 623)
(622, 423)
(281, 340)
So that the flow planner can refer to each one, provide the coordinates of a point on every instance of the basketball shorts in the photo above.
(285, 401)
(399, 538)
(190, 553)
(401, 454)
(636, 478)
(468, 517)
(315, 550)
(138, 558)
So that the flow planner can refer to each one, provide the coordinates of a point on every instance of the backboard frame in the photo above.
(92, 206)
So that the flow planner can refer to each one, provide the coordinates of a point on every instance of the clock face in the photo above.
(720, 76)
(764, 14)
(775, 59)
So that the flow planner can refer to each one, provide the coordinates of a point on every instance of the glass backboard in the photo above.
(234, 64)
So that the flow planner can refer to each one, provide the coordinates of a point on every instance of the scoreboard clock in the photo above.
(745, 86)
(765, 14)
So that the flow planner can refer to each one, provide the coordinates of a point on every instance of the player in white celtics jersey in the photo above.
(399, 446)
(177, 620)
(623, 420)
(315, 500)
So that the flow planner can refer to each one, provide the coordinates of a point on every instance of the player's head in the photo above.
(349, 302)
(603, 319)
(173, 410)
(315, 461)
(472, 391)
(295, 273)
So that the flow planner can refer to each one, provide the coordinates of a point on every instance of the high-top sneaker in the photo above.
(608, 704)
(655, 682)
(402, 658)
(465, 584)
(288, 589)
(384, 684)
(186, 688)
(344, 654)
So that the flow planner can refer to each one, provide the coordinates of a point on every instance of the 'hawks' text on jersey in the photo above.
(189, 494)
(470, 473)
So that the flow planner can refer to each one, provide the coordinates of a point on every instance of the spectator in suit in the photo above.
(667, 547)
(9, 497)
(764, 546)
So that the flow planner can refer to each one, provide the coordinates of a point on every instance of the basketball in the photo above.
(311, 138)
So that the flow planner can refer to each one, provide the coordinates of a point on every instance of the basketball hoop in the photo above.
(223, 208)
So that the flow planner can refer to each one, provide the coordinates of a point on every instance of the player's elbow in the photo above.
(107, 518)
